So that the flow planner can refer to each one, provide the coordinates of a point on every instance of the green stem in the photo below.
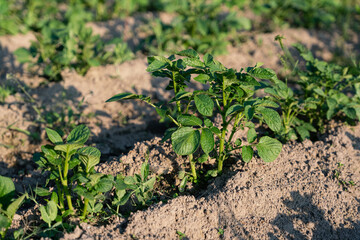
(65, 182)
(61, 198)
(175, 92)
(192, 165)
(86, 203)
(222, 148)
(239, 116)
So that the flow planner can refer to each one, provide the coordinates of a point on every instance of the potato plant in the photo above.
(71, 168)
(60, 46)
(199, 25)
(227, 92)
(326, 91)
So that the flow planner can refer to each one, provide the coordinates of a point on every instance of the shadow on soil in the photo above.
(355, 141)
(8, 63)
(301, 208)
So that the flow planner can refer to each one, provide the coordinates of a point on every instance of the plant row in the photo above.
(202, 124)
(73, 187)
(63, 41)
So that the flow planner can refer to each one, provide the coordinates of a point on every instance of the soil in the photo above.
(295, 197)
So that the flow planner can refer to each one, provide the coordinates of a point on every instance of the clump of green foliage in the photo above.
(64, 158)
(8, 205)
(326, 91)
(74, 188)
(199, 25)
(320, 14)
(61, 46)
(229, 93)
(10, 22)
(140, 186)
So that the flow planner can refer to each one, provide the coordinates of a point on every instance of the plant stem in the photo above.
(61, 197)
(192, 165)
(175, 92)
(65, 182)
(86, 203)
(222, 147)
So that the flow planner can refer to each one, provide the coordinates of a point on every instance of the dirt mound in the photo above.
(296, 197)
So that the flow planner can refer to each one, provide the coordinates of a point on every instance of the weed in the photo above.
(5, 91)
(343, 183)
(180, 235)
(230, 92)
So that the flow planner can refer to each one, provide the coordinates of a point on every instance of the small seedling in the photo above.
(337, 175)
(180, 235)
(141, 186)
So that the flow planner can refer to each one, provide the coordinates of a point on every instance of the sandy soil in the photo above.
(296, 197)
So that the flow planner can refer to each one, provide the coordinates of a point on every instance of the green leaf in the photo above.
(247, 153)
(149, 184)
(249, 112)
(90, 157)
(49, 212)
(203, 158)
(104, 185)
(183, 183)
(194, 62)
(14, 206)
(319, 91)
(215, 130)
(208, 123)
(145, 169)
(23, 55)
(80, 135)
(53, 136)
(124, 199)
(5, 223)
(233, 109)
(68, 147)
(185, 140)
(262, 73)
(129, 180)
(350, 112)
(157, 63)
(204, 105)
(332, 104)
(123, 96)
(202, 78)
(269, 148)
(271, 117)
(7, 191)
(42, 192)
(189, 120)
(207, 140)
(168, 133)
(191, 53)
(303, 132)
(251, 135)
